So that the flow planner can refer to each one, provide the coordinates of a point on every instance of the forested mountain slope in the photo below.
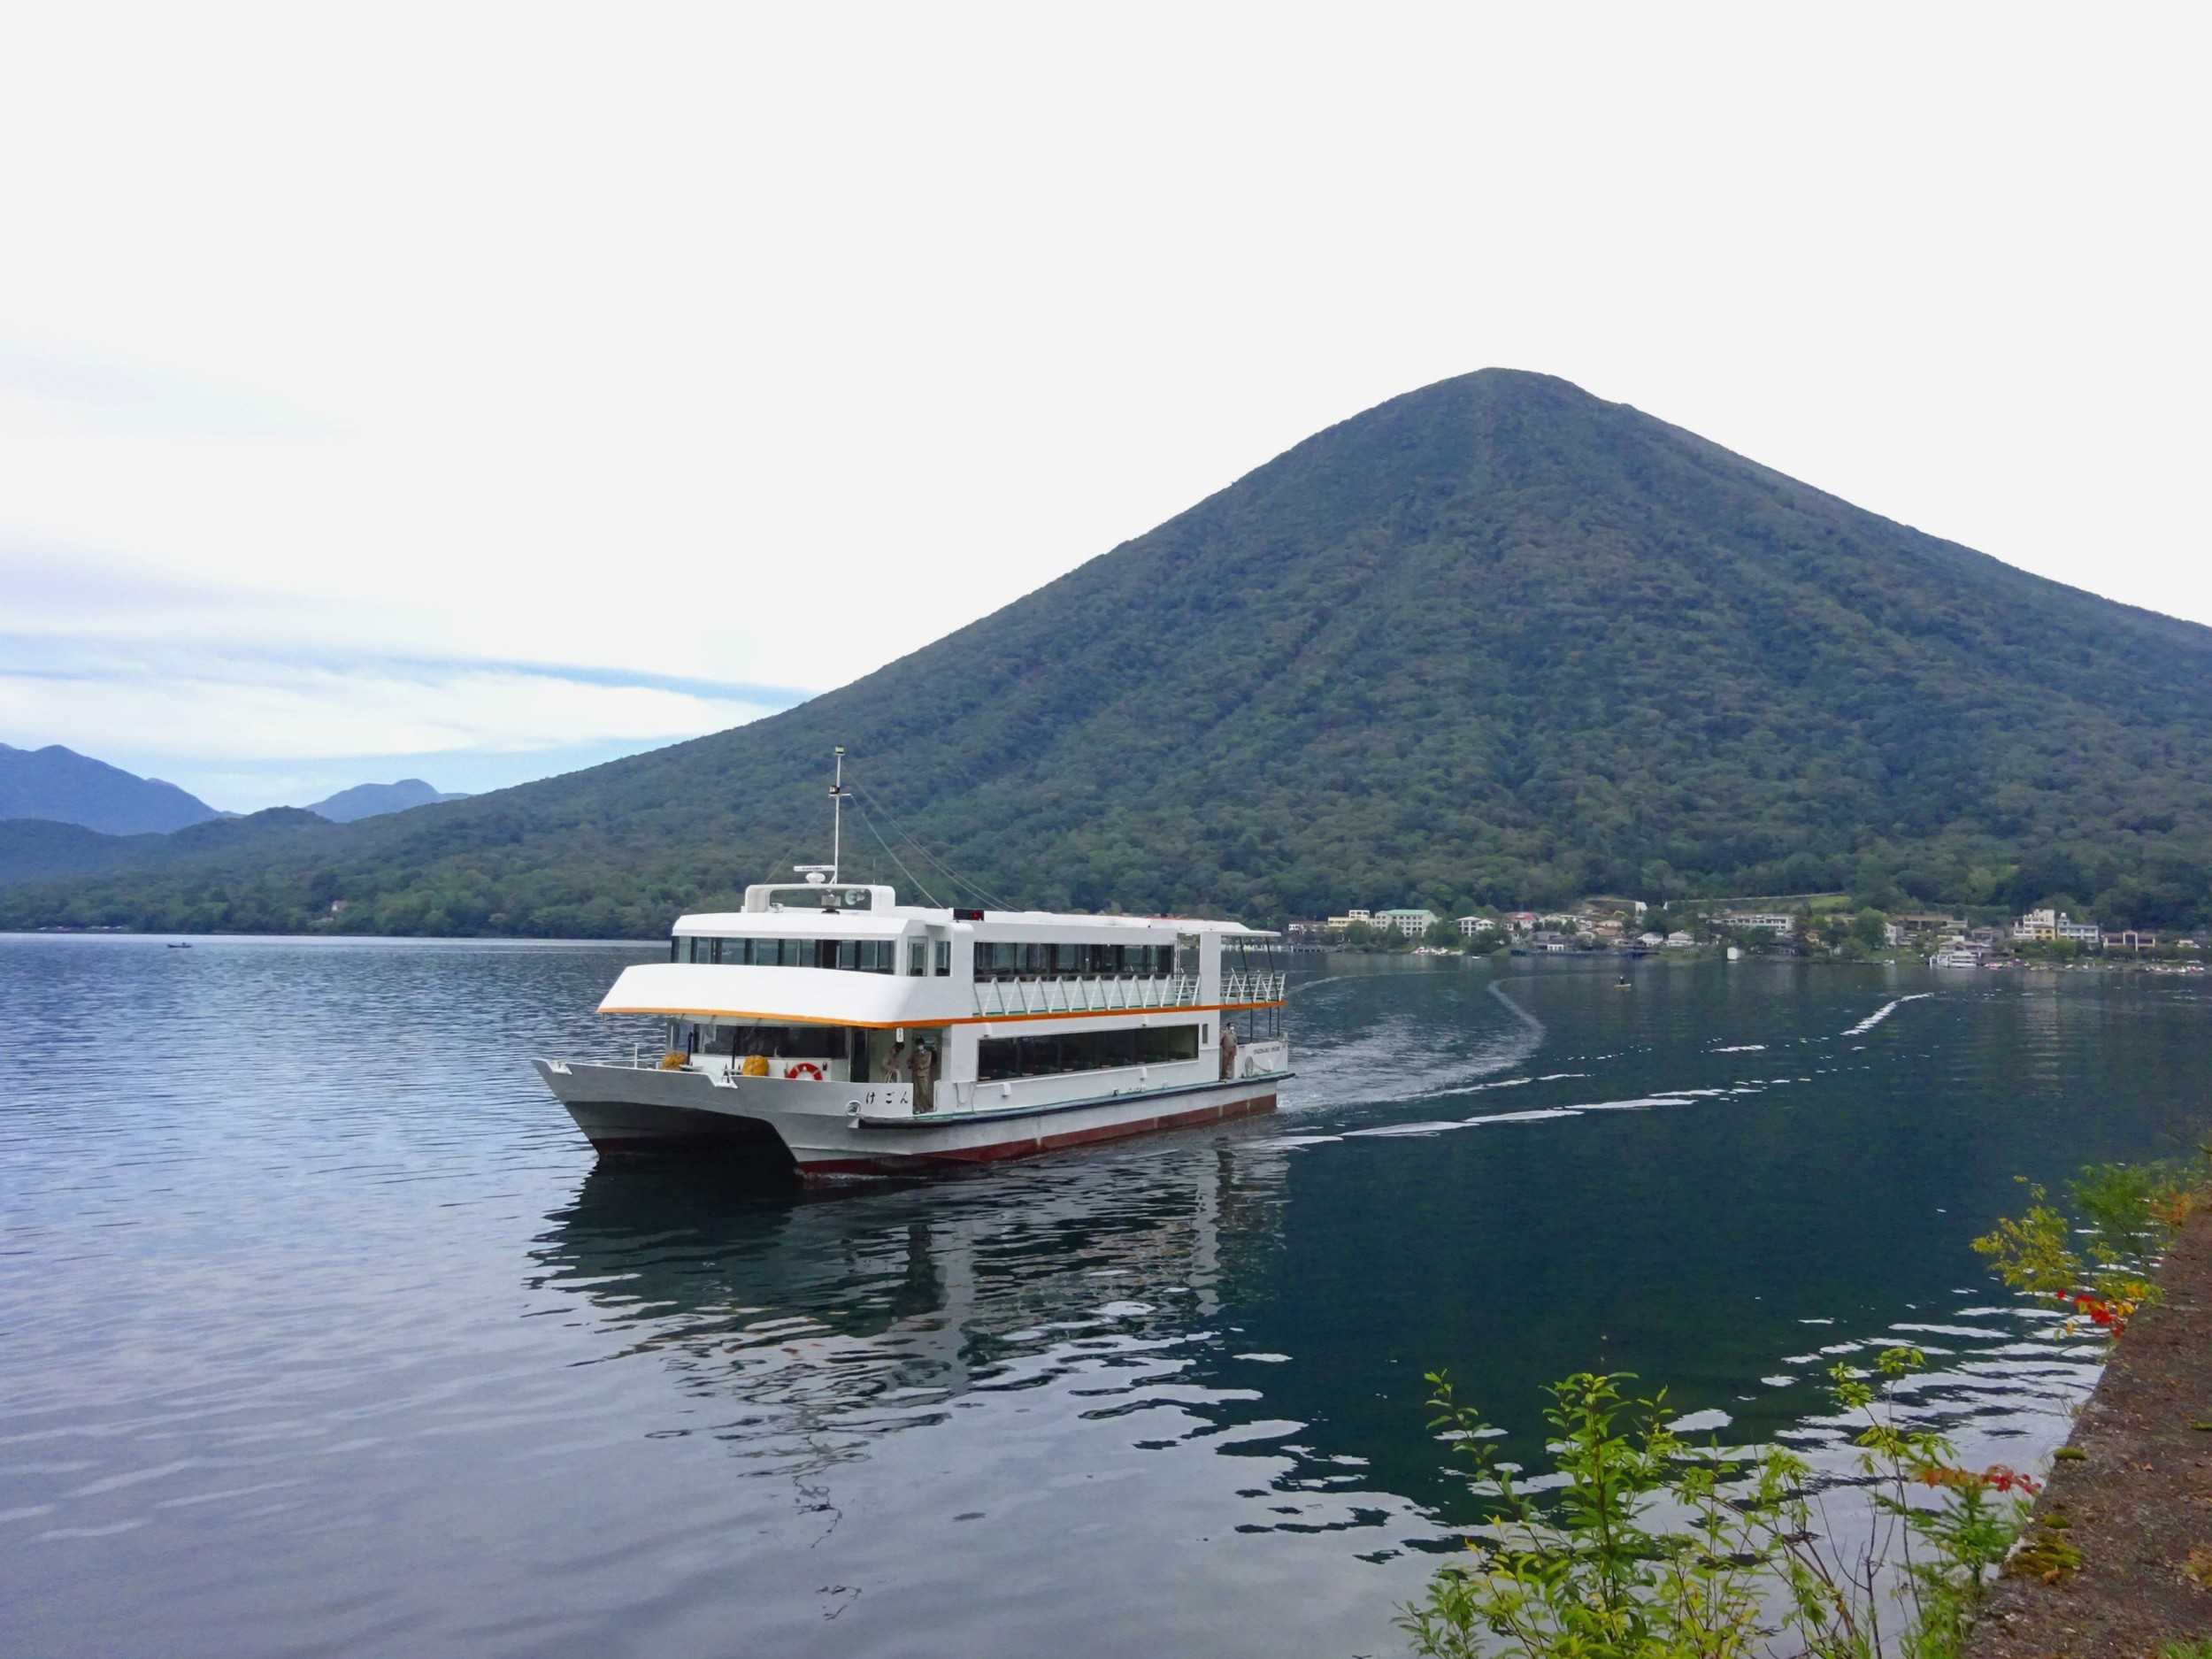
(1494, 641)
(32, 849)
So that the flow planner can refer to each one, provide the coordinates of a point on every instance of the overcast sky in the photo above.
(478, 392)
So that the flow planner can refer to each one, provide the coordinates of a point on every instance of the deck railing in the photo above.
(1108, 995)
(1258, 987)
(1084, 996)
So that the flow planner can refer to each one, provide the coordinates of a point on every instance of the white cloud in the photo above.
(218, 712)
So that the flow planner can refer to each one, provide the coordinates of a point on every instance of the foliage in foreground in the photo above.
(1651, 1549)
(2097, 1260)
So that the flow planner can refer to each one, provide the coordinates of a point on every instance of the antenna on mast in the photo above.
(819, 875)
(837, 814)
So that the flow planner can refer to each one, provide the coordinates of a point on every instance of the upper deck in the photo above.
(862, 959)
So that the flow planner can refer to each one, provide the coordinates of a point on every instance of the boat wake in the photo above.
(1536, 1026)
(1328, 978)
(1884, 1013)
(1541, 1114)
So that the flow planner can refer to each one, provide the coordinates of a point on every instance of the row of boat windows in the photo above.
(1084, 1051)
(994, 959)
(857, 955)
(999, 960)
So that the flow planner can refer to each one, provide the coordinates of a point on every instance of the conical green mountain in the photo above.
(1494, 641)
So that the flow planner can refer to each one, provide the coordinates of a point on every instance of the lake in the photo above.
(321, 1332)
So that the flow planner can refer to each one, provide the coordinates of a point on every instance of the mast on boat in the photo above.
(820, 875)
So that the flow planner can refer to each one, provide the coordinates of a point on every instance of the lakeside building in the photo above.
(1412, 924)
(1930, 922)
(1342, 923)
(2043, 925)
(1606, 903)
(2128, 939)
(1469, 925)
(1770, 921)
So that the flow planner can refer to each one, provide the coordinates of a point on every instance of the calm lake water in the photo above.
(321, 1334)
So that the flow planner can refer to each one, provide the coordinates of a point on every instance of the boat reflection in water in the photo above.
(938, 1284)
(983, 1406)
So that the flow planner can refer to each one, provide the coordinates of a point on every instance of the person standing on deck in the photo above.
(1228, 1050)
(925, 1063)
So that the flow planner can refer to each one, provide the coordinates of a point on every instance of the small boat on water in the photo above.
(181, 944)
(825, 1029)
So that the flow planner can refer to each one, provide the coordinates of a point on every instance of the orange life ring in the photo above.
(807, 1066)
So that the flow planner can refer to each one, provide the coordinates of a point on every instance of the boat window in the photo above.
(944, 957)
(917, 958)
(861, 955)
(1006, 1058)
(1001, 959)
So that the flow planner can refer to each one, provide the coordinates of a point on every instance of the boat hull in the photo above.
(813, 1131)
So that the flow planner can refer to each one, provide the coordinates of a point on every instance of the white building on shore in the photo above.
(1412, 924)
(1771, 921)
(2048, 925)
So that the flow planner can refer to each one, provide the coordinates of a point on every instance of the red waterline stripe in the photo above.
(1030, 1144)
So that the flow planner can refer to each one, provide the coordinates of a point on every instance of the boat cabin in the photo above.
(844, 984)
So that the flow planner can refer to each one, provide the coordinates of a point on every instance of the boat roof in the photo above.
(780, 996)
(806, 922)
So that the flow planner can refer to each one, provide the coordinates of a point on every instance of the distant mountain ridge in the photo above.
(63, 787)
(1495, 641)
(368, 800)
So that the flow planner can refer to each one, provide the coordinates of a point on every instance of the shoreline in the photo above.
(2130, 1495)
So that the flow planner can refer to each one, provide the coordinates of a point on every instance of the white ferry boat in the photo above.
(826, 1030)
